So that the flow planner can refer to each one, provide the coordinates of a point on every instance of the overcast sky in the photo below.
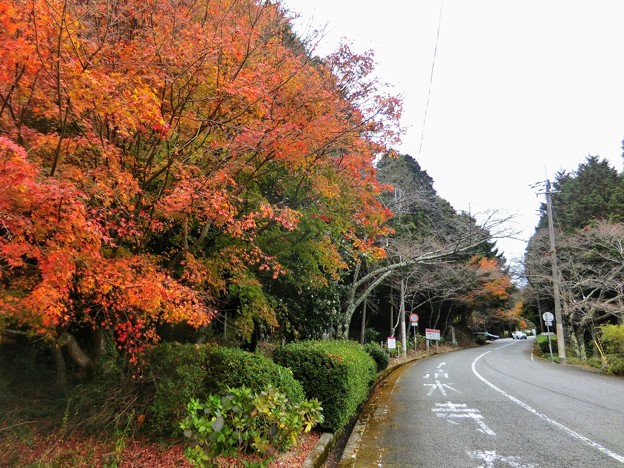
(521, 89)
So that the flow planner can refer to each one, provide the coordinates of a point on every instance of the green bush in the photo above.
(180, 372)
(379, 354)
(613, 338)
(338, 373)
(594, 361)
(233, 367)
(371, 335)
(542, 344)
(480, 340)
(615, 364)
(242, 421)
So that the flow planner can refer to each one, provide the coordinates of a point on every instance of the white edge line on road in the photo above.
(569, 431)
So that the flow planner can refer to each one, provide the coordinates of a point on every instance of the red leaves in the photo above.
(176, 134)
(54, 252)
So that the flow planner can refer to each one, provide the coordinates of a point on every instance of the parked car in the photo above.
(486, 335)
(518, 335)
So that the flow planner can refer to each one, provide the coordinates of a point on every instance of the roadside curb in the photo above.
(350, 450)
(318, 455)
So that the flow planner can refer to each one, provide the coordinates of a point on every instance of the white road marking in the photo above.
(441, 364)
(490, 458)
(576, 435)
(440, 386)
(460, 411)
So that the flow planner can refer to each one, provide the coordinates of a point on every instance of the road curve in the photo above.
(491, 406)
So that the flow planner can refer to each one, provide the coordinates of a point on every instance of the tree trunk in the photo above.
(61, 372)
(575, 343)
(76, 353)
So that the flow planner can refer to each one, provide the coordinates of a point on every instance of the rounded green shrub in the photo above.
(233, 367)
(379, 354)
(179, 372)
(337, 373)
(242, 421)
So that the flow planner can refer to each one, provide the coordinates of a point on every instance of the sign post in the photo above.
(432, 334)
(414, 322)
(391, 342)
(548, 318)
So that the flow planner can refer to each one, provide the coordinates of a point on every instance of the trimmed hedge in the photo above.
(233, 367)
(180, 372)
(480, 340)
(338, 373)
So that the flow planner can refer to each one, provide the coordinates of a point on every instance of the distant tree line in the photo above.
(588, 207)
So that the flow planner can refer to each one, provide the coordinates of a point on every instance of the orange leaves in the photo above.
(137, 285)
(284, 217)
(494, 283)
(46, 236)
(177, 134)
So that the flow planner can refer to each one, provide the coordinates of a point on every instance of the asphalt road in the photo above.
(492, 406)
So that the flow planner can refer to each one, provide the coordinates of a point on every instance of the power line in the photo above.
(435, 53)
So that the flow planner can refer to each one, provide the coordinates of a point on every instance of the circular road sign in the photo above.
(414, 318)
(548, 317)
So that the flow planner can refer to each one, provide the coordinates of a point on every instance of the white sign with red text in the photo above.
(432, 334)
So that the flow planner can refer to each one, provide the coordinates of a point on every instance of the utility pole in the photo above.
(402, 312)
(363, 325)
(555, 278)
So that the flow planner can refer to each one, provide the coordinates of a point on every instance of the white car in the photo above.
(518, 335)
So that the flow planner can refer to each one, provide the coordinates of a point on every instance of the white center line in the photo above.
(569, 431)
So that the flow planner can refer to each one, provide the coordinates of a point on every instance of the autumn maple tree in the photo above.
(156, 157)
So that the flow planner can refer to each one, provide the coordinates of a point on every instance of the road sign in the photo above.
(391, 342)
(548, 317)
(432, 334)
(414, 318)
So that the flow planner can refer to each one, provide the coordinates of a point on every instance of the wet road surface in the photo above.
(492, 406)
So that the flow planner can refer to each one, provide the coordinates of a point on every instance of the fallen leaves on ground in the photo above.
(27, 445)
